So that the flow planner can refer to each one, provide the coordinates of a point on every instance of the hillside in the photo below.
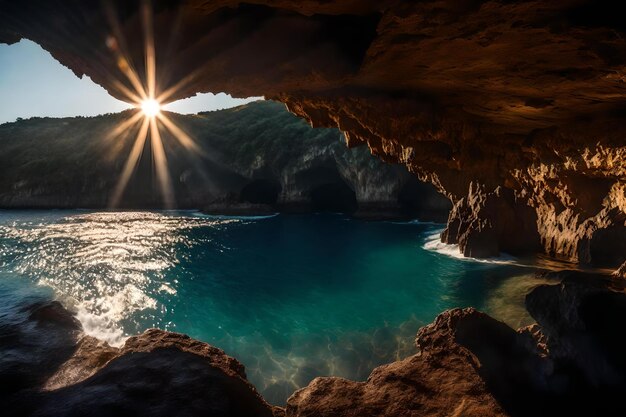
(256, 157)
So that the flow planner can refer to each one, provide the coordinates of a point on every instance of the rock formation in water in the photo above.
(468, 364)
(48, 367)
(472, 365)
(250, 159)
(513, 110)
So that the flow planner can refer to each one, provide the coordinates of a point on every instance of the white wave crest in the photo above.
(433, 243)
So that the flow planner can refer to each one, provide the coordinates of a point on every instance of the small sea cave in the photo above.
(182, 225)
(335, 197)
(607, 247)
(419, 199)
(260, 191)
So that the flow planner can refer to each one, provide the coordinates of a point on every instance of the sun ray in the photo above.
(117, 44)
(123, 126)
(132, 97)
(183, 138)
(160, 164)
(164, 96)
(148, 100)
(149, 52)
(131, 163)
(189, 144)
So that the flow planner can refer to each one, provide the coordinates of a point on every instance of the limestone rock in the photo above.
(49, 368)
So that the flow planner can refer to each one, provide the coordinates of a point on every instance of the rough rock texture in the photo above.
(156, 374)
(472, 365)
(517, 105)
(468, 364)
(583, 330)
(49, 368)
(250, 159)
(620, 272)
(442, 380)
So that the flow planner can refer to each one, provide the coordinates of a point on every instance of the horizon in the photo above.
(35, 84)
(120, 112)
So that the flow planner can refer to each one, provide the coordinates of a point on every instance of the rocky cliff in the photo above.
(514, 110)
(254, 158)
(467, 364)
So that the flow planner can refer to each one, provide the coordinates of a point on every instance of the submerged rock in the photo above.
(49, 368)
(470, 364)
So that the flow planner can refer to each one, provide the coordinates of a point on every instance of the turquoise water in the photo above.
(292, 297)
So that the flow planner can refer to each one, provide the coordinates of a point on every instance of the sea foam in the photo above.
(433, 243)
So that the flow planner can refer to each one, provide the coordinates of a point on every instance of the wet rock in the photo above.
(49, 368)
(442, 379)
(484, 224)
(35, 340)
(620, 272)
(161, 374)
(580, 321)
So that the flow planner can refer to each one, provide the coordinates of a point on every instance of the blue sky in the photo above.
(32, 83)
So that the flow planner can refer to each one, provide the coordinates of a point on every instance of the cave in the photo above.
(514, 111)
(419, 199)
(607, 247)
(260, 191)
(334, 197)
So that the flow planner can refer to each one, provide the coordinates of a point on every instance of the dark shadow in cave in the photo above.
(417, 198)
(608, 247)
(261, 191)
(336, 197)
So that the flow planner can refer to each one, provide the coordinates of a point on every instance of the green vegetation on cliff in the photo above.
(249, 155)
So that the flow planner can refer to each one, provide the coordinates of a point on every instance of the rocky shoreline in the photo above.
(467, 363)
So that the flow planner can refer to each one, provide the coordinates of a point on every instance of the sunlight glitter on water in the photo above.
(103, 265)
(292, 297)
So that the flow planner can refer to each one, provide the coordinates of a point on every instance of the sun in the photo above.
(150, 107)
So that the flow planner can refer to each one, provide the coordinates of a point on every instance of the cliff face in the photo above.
(510, 105)
(257, 157)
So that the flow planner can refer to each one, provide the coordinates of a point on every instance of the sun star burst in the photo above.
(150, 107)
(147, 101)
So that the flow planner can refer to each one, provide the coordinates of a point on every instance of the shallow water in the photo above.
(292, 297)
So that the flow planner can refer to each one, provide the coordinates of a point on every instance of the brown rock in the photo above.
(158, 373)
(441, 380)
(49, 368)
(620, 272)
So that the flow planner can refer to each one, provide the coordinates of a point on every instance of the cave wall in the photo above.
(513, 110)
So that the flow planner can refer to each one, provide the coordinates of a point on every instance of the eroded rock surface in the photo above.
(473, 365)
(156, 374)
(48, 367)
(467, 364)
(515, 105)
(441, 380)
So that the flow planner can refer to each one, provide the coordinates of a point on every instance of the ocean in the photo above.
(292, 297)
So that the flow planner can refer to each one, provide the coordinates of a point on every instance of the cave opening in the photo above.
(335, 197)
(608, 247)
(261, 191)
(417, 198)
